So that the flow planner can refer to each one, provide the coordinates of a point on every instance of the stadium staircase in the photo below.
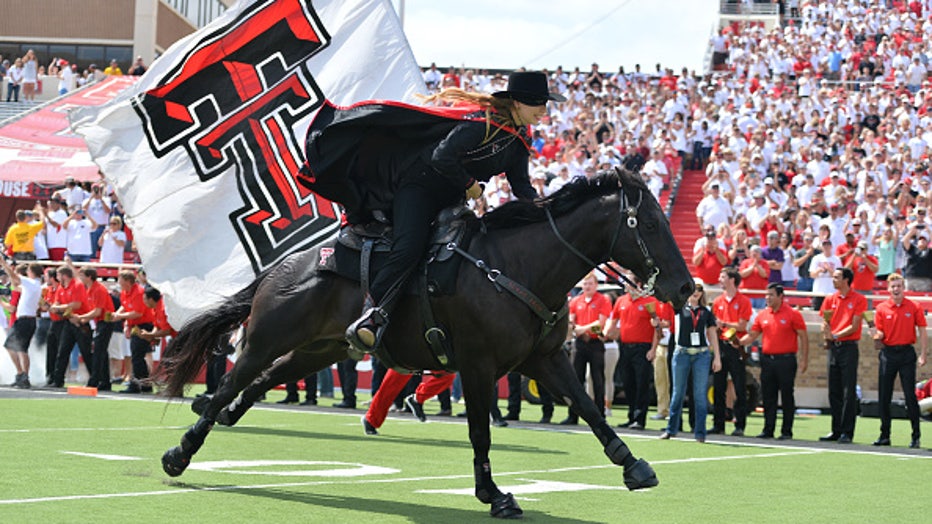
(683, 219)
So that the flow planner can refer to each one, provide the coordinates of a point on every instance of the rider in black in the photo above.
(412, 162)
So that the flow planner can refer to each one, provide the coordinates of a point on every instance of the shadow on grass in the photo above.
(408, 441)
(417, 513)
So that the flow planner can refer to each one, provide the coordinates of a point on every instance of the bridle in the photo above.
(613, 275)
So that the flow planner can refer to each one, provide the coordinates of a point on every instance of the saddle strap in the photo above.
(365, 262)
(435, 336)
(536, 305)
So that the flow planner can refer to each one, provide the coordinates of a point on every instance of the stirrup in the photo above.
(366, 332)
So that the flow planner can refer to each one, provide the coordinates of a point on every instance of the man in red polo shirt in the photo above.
(138, 318)
(630, 324)
(732, 310)
(896, 322)
(101, 307)
(842, 332)
(754, 273)
(784, 336)
(70, 301)
(588, 312)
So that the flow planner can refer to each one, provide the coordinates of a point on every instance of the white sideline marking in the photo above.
(348, 469)
(134, 428)
(101, 457)
(532, 487)
(360, 481)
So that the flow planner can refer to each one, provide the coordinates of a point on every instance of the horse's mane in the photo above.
(567, 198)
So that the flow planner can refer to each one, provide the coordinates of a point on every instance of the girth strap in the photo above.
(536, 305)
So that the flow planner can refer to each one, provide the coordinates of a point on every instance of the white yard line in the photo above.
(431, 479)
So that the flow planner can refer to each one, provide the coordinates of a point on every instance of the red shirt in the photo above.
(132, 300)
(99, 297)
(585, 311)
(709, 269)
(161, 319)
(779, 329)
(74, 292)
(754, 280)
(845, 309)
(732, 311)
(48, 293)
(634, 325)
(863, 276)
(899, 323)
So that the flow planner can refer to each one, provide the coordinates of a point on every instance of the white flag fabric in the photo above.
(203, 150)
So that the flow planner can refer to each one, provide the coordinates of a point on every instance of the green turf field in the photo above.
(97, 460)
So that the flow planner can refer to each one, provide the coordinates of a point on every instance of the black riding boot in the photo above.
(365, 333)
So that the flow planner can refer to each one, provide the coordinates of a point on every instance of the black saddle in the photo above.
(361, 250)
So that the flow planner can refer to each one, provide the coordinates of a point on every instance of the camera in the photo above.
(920, 226)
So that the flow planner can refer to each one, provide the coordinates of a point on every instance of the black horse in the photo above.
(297, 315)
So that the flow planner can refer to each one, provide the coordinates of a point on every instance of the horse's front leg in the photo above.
(246, 369)
(478, 390)
(555, 373)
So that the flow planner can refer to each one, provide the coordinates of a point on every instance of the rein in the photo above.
(631, 211)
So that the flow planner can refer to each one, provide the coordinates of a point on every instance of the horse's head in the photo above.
(644, 244)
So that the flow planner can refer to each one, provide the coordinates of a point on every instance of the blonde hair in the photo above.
(894, 276)
(496, 109)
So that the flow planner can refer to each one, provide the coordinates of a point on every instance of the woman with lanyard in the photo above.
(696, 350)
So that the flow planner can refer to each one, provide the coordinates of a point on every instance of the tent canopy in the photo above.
(39, 150)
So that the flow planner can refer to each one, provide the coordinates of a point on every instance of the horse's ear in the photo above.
(620, 173)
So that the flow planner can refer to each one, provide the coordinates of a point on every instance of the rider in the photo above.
(412, 162)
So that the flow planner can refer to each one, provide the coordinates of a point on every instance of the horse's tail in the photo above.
(201, 337)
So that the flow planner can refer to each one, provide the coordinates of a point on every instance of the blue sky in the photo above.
(545, 33)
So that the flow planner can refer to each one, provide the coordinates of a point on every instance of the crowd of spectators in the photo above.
(25, 77)
(820, 135)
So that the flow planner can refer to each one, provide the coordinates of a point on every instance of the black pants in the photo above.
(348, 379)
(310, 389)
(637, 372)
(139, 348)
(902, 362)
(71, 335)
(778, 374)
(842, 387)
(52, 343)
(591, 352)
(415, 206)
(734, 366)
(100, 378)
(216, 369)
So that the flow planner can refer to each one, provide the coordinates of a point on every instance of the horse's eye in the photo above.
(650, 226)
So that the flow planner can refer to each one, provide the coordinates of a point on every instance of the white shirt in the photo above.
(56, 237)
(95, 209)
(29, 298)
(822, 283)
(714, 211)
(110, 252)
(79, 237)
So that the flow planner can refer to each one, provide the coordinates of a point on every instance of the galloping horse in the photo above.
(298, 312)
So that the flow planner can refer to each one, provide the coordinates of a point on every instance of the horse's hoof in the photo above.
(505, 507)
(175, 461)
(640, 476)
(200, 403)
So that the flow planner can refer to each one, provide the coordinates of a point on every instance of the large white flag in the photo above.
(203, 150)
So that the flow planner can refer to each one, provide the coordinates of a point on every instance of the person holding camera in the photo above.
(97, 207)
(79, 227)
(864, 266)
(918, 270)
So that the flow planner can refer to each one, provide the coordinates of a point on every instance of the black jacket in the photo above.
(358, 156)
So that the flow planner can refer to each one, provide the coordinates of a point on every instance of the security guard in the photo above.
(896, 322)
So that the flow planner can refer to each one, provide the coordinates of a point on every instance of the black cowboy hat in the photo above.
(529, 87)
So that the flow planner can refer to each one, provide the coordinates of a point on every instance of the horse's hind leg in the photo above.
(247, 368)
(477, 389)
(556, 374)
(289, 368)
